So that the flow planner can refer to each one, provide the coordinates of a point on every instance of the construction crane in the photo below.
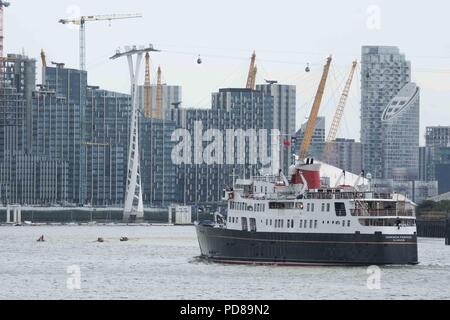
(307, 139)
(81, 21)
(44, 66)
(3, 4)
(251, 79)
(159, 96)
(148, 111)
(338, 115)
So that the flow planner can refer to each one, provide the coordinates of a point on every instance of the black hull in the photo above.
(232, 246)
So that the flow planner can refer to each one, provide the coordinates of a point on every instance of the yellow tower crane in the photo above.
(251, 79)
(307, 139)
(159, 97)
(148, 111)
(338, 115)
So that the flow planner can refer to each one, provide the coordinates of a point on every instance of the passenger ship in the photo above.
(273, 220)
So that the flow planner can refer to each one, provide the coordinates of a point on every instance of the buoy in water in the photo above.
(124, 239)
(101, 240)
(41, 239)
(199, 60)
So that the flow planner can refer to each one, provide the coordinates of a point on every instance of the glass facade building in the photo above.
(284, 118)
(232, 109)
(401, 133)
(384, 72)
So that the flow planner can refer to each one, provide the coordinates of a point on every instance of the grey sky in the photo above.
(285, 34)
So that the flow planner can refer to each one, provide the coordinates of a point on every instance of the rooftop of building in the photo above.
(236, 90)
(374, 49)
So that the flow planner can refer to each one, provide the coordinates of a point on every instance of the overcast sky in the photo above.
(286, 35)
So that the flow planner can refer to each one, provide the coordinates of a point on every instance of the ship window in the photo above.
(328, 207)
(244, 224)
(308, 207)
(348, 223)
(340, 209)
(276, 205)
(310, 224)
(323, 207)
(312, 207)
(253, 225)
(305, 223)
(315, 224)
(301, 224)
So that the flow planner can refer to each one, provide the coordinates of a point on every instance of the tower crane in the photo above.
(81, 21)
(3, 4)
(307, 139)
(159, 96)
(148, 110)
(251, 79)
(338, 115)
(44, 66)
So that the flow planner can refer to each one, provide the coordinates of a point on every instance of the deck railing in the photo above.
(382, 213)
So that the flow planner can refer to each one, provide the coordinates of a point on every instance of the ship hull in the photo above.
(240, 247)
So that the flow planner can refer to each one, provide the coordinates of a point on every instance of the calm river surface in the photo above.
(160, 263)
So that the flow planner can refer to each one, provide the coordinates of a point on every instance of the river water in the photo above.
(160, 263)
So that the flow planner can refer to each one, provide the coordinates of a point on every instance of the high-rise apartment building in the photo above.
(435, 157)
(104, 148)
(401, 133)
(203, 180)
(59, 124)
(384, 72)
(159, 172)
(284, 118)
(346, 154)
(437, 136)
